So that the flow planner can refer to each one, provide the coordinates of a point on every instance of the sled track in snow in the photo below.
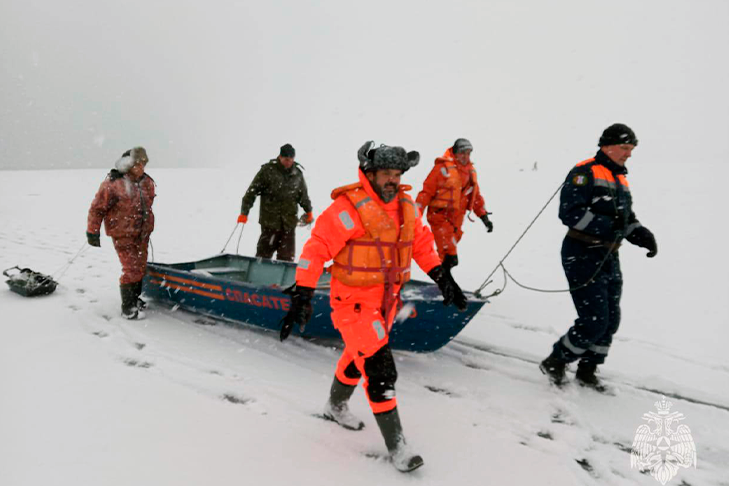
(527, 359)
(456, 344)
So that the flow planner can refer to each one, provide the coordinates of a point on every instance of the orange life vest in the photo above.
(381, 256)
(448, 194)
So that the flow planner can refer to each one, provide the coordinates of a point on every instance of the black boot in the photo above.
(337, 409)
(586, 376)
(402, 458)
(555, 369)
(141, 305)
(129, 308)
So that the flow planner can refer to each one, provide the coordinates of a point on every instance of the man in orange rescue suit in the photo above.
(597, 207)
(372, 231)
(448, 192)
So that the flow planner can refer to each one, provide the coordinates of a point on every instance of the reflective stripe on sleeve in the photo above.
(346, 220)
(584, 221)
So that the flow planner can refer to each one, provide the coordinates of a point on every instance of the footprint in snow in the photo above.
(236, 399)
(136, 363)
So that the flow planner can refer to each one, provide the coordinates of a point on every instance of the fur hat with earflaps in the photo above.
(130, 158)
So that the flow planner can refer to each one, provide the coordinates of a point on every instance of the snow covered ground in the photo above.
(88, 398)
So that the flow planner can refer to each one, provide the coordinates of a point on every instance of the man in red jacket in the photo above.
(372, 231)
(449, 191)
(124, 203)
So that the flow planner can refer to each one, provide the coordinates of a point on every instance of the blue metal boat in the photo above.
(249, 291)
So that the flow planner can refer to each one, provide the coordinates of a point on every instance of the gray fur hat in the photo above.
(386, 157)
(131, 157)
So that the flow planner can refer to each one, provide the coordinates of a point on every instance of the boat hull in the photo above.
(249, 291)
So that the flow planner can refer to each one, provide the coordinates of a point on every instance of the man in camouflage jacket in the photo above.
(282, 188)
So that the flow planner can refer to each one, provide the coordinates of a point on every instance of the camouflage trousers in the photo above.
(282, 242)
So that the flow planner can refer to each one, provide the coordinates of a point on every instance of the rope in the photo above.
(500, 264)
(237, 251)
(231, 236)
(510, 276)
(65, 267)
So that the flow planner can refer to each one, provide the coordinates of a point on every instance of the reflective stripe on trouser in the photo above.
(367, 354)
(282, 242)
(597, 304)
(132, 253)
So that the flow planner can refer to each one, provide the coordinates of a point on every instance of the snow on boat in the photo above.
(249, 291)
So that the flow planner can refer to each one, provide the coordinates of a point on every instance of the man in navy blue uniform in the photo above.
(596, 206)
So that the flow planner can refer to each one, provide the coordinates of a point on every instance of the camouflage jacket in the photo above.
(282, 191)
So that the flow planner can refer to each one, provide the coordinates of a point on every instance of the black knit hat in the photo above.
(617, 134)
(386, 157)
(461, 145)
(287, 151)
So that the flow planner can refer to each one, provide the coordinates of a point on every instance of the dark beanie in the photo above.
(617, 134)
(461, 145)
(287, 151)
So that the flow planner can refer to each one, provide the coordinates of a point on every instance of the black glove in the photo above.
(487, 222)
(452, 293)
(642, 237)
(300, 311)
(449, 262)
(93, 239)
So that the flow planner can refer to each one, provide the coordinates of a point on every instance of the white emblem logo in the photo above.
(663, 449)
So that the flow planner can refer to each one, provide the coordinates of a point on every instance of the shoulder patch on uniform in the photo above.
(579, 180)
(346, 220)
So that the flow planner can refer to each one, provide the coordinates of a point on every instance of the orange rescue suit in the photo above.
(372, 244)
(450, 190)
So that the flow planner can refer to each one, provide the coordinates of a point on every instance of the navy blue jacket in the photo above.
(596, 200)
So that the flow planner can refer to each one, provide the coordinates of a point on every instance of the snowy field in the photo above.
(212, 89)
(89, 398)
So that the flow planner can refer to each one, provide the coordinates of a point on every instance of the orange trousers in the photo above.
(446, 235)
(366, 353)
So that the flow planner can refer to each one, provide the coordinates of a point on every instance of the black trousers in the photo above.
(597, 304)
(282, 242)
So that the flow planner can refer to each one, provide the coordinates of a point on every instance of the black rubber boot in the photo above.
(555, 369)
(129, 308)
(586, 376)
(402, 458)
(337, 408)
(141, 305)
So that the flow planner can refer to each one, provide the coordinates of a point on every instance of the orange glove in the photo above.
(306, 219)
(243, 219)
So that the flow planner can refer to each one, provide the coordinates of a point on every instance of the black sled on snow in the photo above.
(28, 283)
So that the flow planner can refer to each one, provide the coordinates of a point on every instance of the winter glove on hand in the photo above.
(306, 219)
(642, 237)
(487, 222)
(93, 239)
(300, 311)
(452, 293)
(243, 218)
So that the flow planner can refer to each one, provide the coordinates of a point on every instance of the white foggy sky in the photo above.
(223, 82)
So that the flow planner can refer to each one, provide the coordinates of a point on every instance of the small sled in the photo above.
(28, 283)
